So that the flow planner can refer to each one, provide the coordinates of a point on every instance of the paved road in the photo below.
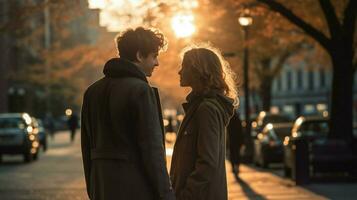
(58, 175)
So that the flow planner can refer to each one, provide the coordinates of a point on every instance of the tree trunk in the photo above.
(342, 94)
(265, 92)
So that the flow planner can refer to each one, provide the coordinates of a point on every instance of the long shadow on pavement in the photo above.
(249, 192)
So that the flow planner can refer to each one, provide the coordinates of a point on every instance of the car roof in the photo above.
(11, 115)
(283, 125)
(315, 118)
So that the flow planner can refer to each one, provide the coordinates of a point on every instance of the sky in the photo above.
(111, 10)
(117, 15)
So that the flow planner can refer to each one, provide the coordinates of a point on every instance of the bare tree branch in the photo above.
(331, 18)
(282, 59)
(289, 15)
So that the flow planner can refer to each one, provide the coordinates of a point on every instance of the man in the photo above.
(122, 132)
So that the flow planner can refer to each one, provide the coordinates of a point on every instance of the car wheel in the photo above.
(265, 164)
(44, 146)
(35, 156)
(28, 157)
(287, 171)
(255, 160)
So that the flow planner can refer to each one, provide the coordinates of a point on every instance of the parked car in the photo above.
(264, 118)
(42, 132)
(19, 136)
(268, 145)
(311, 128)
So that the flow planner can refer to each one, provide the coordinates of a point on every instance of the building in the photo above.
(299, 90)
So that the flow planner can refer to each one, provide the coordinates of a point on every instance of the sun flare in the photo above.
(183, 25)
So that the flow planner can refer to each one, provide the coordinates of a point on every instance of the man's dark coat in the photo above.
(198, 164)
(122, 137)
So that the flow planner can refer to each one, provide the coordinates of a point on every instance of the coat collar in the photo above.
(119, 68)
(195, 99)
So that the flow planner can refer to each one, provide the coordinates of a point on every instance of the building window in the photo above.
(279, 83)
(289, 81)
(289, 109)
(311, 80)
(322, 78)
(299, 79)
(309, 109)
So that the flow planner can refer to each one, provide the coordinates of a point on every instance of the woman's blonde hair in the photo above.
(212, 69)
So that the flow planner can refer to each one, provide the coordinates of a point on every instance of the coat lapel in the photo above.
(188, 116)
(156, 92)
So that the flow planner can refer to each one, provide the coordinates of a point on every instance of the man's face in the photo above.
(147, 64)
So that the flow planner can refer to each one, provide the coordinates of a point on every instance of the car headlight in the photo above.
(29, 129)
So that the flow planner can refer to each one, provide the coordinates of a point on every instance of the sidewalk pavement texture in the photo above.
(255, 183)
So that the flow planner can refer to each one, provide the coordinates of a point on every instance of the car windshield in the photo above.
(275, 119)
(314, 128)
(11, 123)
(280, 133)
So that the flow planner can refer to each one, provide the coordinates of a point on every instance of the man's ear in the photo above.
(139, 56)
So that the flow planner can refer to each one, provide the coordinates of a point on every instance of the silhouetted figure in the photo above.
(122, 131)
(50, 125)
(235, 141)
(198, 170)
(73, 125)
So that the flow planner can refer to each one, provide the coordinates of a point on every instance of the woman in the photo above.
(198, 162)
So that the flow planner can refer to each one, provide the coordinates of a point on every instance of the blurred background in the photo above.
(295, 63)
(52, 50)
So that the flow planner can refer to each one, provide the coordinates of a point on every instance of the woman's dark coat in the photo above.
(122, 137)
(198, 164)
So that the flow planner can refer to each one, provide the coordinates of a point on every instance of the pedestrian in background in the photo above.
(50, 125)
(122, 140)
(235, 141)
(198, 169)
(72, 125)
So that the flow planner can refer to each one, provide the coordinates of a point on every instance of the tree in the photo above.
(331, 24)
(268, 68)
(59, 71)
(339, 43)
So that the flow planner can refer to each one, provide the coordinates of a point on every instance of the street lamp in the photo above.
(245, 20)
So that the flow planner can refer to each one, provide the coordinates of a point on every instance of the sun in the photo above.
(183, 25)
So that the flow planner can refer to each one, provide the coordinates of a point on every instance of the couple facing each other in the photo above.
(122, 132)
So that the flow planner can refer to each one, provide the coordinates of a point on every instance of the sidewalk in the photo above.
(255, 183)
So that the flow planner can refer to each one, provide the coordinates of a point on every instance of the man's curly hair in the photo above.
(141, 40)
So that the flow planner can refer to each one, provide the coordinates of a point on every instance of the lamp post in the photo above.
(245, 20)
(47, 42)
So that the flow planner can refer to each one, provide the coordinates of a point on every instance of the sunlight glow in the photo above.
(183, 25)
(118, 15)
(245, 21)
(97, 4)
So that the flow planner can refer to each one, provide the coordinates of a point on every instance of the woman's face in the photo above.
(186, 75)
